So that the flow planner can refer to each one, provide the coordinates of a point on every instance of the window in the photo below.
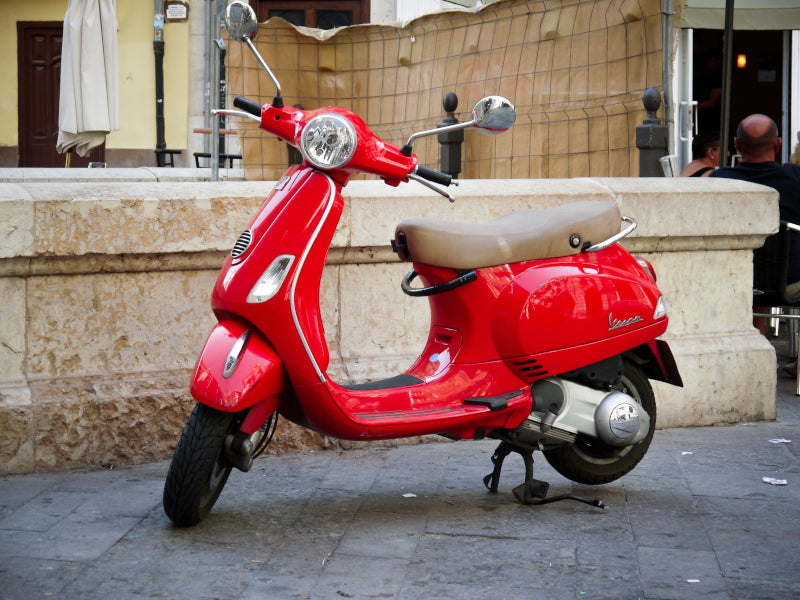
(323, 14)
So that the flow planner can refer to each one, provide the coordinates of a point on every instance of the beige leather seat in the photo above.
(515, 237)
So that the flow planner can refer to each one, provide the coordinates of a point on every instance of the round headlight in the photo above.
(328, 141)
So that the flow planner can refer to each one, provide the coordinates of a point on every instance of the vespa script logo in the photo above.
(618, 324)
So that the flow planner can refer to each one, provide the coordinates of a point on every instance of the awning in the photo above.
(88, 106)
(763, 15)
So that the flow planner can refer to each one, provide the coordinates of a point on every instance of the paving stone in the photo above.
(675, 574)
(23, 578)
(693, 520)
(378, 577)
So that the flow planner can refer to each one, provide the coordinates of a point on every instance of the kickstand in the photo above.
(532, 492)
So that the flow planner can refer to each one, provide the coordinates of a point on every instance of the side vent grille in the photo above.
(529, 368)
(242, 244)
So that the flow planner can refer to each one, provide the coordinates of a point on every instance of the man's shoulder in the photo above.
(728, 173)
(792, 169)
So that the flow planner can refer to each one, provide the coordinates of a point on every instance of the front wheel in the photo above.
(593, 462)
(199, 469)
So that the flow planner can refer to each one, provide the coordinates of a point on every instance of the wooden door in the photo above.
(39, 80)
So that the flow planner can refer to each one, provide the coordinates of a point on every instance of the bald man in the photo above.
(758, 142)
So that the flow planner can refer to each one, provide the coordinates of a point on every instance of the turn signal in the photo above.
(661, 309)
(647, 267)
(271, 280)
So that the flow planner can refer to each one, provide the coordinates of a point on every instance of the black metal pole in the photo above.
(158, 48)
(727, 67)
(222, 92)
(161, 143)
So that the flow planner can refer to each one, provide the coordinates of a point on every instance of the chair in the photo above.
(166, 158)
(770, 274)
(223, 156)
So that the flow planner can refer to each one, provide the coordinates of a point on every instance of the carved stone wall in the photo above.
(105, 290)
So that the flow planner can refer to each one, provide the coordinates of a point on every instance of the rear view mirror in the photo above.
(240, 21)
(494, 115)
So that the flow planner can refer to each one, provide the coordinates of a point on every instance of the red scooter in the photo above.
(543, 329)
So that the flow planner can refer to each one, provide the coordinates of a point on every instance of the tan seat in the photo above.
(515, 237)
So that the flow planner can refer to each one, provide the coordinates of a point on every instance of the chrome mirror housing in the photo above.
(494, 115)
(242, 25)
(241, 21)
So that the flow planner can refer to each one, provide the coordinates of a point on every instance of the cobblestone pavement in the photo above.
(694, 520)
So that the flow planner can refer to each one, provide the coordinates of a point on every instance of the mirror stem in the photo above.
(277, 101)
(455, 127)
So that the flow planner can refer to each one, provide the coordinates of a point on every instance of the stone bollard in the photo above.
(450, 142)
(651, 137)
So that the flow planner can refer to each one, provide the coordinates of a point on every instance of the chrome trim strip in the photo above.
(301, 263)
(233, 355)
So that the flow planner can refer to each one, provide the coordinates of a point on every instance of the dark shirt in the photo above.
(785, 179)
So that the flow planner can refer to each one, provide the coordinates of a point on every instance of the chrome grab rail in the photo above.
(615, 238)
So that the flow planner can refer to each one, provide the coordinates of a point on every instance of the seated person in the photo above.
(705, 155)
(758, 142)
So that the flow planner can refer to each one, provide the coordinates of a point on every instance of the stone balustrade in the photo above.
(105, 288)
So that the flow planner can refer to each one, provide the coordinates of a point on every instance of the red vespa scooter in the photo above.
(543, 329)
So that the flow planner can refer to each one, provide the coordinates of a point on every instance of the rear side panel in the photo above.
(560, 315)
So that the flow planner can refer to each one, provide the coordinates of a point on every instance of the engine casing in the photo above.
(571, 408)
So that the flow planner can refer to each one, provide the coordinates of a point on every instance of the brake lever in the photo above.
(435, 188)
(235, 113)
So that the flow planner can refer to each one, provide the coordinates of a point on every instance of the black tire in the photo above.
(199, 470)
(593, 462)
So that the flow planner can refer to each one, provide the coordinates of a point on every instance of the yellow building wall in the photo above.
(136, 67)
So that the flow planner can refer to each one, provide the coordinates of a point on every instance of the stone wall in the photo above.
(106, 286)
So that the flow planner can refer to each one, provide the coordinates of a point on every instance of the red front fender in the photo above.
(254, 370)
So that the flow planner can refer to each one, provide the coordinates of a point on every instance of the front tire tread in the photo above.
(191, 488)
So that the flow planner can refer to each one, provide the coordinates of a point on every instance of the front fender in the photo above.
(237, 369)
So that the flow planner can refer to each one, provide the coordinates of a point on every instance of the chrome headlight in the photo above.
(328, 141)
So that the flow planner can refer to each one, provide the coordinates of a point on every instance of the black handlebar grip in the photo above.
(434, 176)
(254, 108)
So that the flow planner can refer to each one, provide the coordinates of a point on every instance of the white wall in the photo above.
(389, 11)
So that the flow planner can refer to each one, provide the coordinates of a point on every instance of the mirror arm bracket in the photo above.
(428, 132)
(277, 101)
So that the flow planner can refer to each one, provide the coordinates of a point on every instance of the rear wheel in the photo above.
(199, 469)
(593, 462)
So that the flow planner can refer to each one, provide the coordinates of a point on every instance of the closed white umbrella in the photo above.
(88, 107)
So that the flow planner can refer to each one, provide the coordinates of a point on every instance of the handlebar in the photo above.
(434, 176)
(254, 108)
(420, 174)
